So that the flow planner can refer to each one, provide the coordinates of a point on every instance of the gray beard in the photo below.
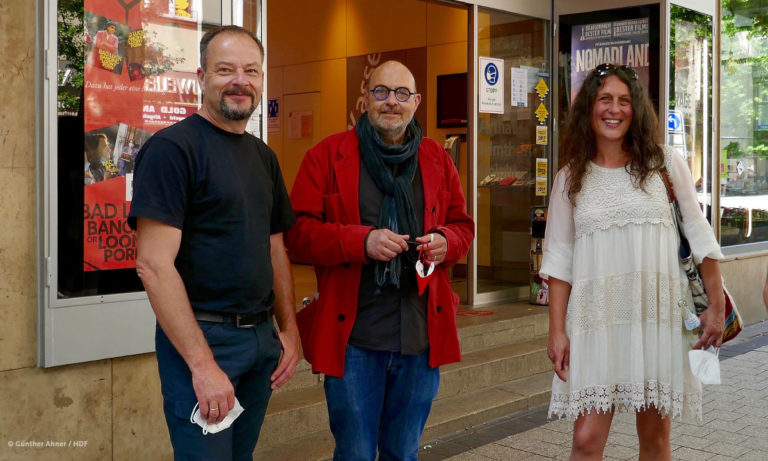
(236, 114)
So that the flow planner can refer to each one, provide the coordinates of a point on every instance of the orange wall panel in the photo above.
(305, 31)
(446, 23)
(385, 25)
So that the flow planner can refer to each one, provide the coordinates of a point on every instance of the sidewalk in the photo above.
(735, 425)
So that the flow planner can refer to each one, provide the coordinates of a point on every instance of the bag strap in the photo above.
(677, 216)
(668, 184)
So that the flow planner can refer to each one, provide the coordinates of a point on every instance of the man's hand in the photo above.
(435, 246)
(559, 352)
(383, 244)
(214, 392)
(287, 365)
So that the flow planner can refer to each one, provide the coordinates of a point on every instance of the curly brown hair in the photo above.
(641, 141)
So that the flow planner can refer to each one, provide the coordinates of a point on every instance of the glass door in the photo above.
(513, 148)
(689, 120)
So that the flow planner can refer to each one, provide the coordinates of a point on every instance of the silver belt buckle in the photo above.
(238, 317)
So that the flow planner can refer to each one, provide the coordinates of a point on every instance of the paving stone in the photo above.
(756, 443)
(524, 441)
(549, 450)
(728, 449)
(623, 440)
(689, 454)
(619, 452)
(624, 428)
(691, 441)
(561, 425)
(690, 429)
(469, 456)
(754, 455)
(502, 453)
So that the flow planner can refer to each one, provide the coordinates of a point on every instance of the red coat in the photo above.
(328, 234)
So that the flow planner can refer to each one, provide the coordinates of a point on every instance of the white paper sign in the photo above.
(491, 86)
(518, 87)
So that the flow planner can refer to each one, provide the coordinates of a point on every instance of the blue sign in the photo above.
(273, 108)
(491, 73)
(674, 121)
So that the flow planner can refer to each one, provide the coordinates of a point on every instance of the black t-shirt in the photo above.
(389, 318)
(226, 193)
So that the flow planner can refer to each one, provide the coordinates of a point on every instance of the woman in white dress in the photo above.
(617, 293)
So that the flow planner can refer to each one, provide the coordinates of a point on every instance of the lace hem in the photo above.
(626, 398)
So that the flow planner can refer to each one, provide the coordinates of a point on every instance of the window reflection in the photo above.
(744, 124)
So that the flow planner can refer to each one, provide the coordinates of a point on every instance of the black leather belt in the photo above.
(248, 320)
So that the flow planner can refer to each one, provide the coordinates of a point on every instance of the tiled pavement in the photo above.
(735, 425)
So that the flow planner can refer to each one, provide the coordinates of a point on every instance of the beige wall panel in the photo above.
(745, 279)
(316, 34)
(17, 116)
(18, 295)
(446, 23)
(139, 429)
(69, 404)
(385, 25)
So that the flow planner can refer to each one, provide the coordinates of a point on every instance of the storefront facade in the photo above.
(495, 77)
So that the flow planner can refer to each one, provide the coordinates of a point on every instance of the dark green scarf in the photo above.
(392, 169)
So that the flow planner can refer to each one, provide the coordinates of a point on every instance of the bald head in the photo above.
(390, 69)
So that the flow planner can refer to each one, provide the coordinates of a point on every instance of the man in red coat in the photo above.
(370, 204)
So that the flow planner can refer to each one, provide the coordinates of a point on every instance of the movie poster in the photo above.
(139, 77)
(624, 42)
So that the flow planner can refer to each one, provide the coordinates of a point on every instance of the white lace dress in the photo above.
(617, 247)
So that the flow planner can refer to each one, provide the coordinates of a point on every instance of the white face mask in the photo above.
(705, 365)
(214, 428)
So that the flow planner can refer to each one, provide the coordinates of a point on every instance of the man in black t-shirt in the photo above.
(210, 207)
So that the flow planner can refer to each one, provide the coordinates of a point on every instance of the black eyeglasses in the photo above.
(605, 69)
(381, 92)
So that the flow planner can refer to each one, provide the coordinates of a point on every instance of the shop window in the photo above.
(126, 69)
(744, 124)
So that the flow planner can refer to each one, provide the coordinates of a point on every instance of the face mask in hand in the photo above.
(214, 428)
(705, 365)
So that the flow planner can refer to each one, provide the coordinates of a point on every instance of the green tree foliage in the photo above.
(71, 45)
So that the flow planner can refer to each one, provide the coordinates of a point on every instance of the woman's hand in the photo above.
(559, 352)
(713, 318)
(712, 323)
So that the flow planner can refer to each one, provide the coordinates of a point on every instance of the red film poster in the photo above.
(109, 242)
(140, 77)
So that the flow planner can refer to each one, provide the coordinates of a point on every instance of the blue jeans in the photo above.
(382, 402)
(248, 357)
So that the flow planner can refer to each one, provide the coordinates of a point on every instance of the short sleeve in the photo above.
(282, 213)
(560, 233)
(161, 182)
(695, 226)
